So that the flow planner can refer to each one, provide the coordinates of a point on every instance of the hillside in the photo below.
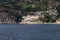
(16, 11)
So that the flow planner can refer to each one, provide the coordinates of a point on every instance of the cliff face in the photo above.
(8, 15)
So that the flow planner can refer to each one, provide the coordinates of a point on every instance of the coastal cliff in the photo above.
(30, 11)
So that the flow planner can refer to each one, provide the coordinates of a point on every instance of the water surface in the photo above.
(29, 32)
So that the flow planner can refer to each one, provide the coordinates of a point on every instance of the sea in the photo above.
(29, 31)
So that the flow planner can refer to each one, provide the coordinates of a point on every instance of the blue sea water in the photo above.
(30, 32)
